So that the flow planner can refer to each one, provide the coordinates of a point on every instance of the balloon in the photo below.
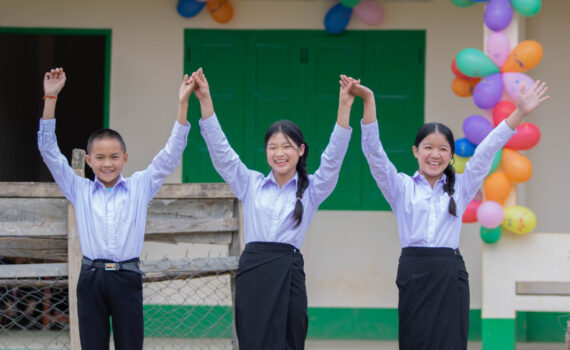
(470, 214)
(490, 214)
(463, 3)
(527, 136)
(490, 235)
(337, 18)
(525, 56)
(458, 73)
(498, 14)
(189, 8)
(527, 7)
(459, 163)
(369, 12)
(489, 91)
(517, 167)
(519, 219)
(513, 83)
(498, 48)
(475, 63)
(220, 10)
(463, 87)
(502, 110)
(349, 3)
(464, 148)
(497, 187)
(475, 128)
(496, 161)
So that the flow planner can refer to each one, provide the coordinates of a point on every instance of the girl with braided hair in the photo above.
(271, 297)
(433, 284)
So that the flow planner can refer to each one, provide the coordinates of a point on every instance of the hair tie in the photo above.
(298, 198)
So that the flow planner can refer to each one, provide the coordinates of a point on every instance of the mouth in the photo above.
(434, 164)
(281, 162)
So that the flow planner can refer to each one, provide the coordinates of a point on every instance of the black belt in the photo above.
(132, 265)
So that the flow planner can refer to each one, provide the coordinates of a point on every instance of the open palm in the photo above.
(535, 96)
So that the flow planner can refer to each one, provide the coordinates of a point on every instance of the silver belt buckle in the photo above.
(110, 267)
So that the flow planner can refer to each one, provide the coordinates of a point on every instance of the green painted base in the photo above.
(498, 334)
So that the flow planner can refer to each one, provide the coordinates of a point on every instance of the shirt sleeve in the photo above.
(479, 165)
(325, 178)
(383, 171)
(224, 158)
(167, 159)
(56, 162)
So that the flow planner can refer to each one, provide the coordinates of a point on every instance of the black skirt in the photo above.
(433, 305)
(271, 298)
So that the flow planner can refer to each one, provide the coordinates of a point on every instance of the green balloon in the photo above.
(490, 235)
(349, 3)
(527, 7)
(463, 3)
(496, 161)
(475, 63)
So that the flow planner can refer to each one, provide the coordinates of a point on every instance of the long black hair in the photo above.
(292, 131)
(449, 187)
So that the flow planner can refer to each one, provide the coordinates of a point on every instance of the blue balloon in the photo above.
(189, 8)
(337, 18)
(464, 148)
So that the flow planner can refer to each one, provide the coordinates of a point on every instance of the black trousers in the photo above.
(433, 305)
(271, 298)
(116, 294)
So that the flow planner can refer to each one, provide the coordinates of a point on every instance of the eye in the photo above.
(287, 147)
(272, 148)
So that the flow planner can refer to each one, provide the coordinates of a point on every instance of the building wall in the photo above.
(350, 256)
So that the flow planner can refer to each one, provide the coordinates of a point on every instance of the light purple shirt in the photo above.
(422, 212)
(111, 224)
(268, 209)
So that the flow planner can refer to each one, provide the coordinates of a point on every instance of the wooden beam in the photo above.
(164, 225)
(195, 190)
(30, 190)
(167, 270)
(33, 270)
(50, 248)
(543, 288)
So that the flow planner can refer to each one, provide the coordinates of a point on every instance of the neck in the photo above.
(431, 179)
(282, 179)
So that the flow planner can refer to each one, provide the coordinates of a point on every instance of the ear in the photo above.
(126, 157)
(302, 150)
(88, 161)
(415, 150)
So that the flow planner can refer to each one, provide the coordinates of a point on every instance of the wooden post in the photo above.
(568, 335)
(74, 254)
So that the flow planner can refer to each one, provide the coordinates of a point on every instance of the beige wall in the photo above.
(350, 256)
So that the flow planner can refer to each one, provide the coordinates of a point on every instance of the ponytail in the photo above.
(449, 188)
(302, 184)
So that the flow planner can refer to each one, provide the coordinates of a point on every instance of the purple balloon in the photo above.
(498, 14)
(488, 91)
(476, 128)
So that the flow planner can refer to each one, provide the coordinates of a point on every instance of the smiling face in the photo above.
(107, 159)
(282, 156)
(434, 154)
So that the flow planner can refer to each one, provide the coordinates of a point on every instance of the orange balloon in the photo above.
(463, 87)
(497, 187)
(524, 57)
(220, 10)
(517, 167)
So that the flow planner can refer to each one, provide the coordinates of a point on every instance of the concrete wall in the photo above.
(351, 257)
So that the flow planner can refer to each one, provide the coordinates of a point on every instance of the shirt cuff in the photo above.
(180, 130)
(341, 132)
(504, 131)
(210, 124)
(47, 125)
(370, 130)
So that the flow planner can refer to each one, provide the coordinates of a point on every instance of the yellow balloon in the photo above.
(519, 219)
(517, 167)
(459, 164)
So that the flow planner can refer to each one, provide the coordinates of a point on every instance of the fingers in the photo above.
(542, 89)
(55, 73)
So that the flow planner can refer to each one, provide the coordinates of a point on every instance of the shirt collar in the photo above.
(120, 182)
(419, 177)
(271, 178)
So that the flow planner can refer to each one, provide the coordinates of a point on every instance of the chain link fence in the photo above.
(187, 304)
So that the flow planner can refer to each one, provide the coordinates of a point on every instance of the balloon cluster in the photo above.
(368, 11)
(221, 11)
(495, 80)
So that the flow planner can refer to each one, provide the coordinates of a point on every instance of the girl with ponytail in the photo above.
(433, 284)
(271, 298)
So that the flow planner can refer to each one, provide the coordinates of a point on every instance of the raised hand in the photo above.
(202, 90)
(54, 80)
(535, 96)
(186, 89)
(346, 97)
(357, 90)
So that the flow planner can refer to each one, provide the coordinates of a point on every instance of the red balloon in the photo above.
(527, 136)
(502, 110)
(458, 73)
(470, 214)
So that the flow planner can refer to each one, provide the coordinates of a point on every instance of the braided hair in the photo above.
(449, 186)
(292, 131)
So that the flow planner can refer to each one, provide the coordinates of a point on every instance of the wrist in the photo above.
(50, 96)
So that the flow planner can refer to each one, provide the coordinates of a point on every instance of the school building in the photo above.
(125, 60)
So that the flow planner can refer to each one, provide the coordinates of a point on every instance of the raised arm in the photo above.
(479, 165)
(225, 160)
(383, 171)
(56, 162)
